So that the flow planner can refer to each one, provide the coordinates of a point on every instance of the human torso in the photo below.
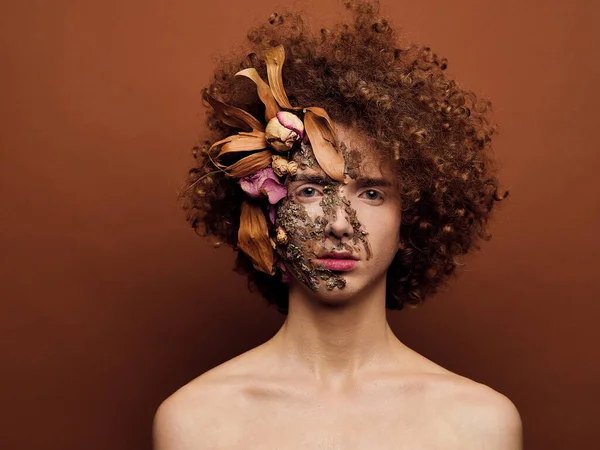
(416, 410)
(412, 414)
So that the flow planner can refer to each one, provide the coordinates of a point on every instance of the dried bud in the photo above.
(279, 165)
(292, 168)
(284, 130)
(281, 236)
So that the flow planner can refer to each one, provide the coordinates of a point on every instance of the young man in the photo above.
(356, 201)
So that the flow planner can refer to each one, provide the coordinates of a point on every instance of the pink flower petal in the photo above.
(264, 182)
(291, 122)
(252, 183)
(249, 187)
(272, 211)
(285, 275)
(274, 190)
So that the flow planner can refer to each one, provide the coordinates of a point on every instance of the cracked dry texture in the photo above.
(352, 159)
(307, 236)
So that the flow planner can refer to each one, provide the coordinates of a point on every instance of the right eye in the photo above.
(307, 193)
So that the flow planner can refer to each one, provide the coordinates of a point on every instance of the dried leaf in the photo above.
(274, 58)
(323, 139)
(249, 164)
(253, 237)
(241, 142)
(232, 116)
(264, 92)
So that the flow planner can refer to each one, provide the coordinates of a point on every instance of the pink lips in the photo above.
(338, 261)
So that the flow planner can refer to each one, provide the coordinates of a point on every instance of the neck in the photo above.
(337, 339)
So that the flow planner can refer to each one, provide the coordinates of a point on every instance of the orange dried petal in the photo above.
(323, 140)
(232, 116)
(253, 237)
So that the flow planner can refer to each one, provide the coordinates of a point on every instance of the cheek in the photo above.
(300, 222)
(305, 233)
(313, 210)
(383, 228)
(382, 224)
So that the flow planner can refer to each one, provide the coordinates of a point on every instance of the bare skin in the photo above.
(335, 376)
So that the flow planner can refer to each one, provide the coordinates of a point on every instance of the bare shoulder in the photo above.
(483, 416)
(183, 417)
(192, 417)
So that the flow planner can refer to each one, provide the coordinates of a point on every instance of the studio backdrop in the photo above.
(110, 301)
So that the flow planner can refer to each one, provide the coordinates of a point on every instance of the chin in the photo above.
(338, 296)
(333, 299)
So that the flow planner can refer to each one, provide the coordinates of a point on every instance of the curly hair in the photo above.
(363, 74)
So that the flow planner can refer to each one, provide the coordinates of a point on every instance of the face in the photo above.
(337, 239)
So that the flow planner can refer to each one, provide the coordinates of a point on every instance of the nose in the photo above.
(338, 224)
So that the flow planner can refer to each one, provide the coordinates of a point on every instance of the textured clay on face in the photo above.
(307, 237)
(353, 160)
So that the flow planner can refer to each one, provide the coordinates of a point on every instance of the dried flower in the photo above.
(271, 212)
(281, 236)
(285, 276)
(281, 166)
(253, 237)
(264, 183)
(284, 130)
(292, 167)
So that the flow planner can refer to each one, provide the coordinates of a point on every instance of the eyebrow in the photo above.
(361, 182)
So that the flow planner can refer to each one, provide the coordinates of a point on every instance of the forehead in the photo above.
(361, 155)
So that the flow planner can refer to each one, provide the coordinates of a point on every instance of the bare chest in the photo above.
(375, 424)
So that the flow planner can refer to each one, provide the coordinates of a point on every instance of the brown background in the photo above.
(110, 302)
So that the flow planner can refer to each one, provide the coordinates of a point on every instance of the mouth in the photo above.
(337, 261)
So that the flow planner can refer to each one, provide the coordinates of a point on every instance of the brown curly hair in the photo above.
(363, 74)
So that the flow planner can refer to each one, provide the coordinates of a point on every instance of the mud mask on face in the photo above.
(308, 234)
